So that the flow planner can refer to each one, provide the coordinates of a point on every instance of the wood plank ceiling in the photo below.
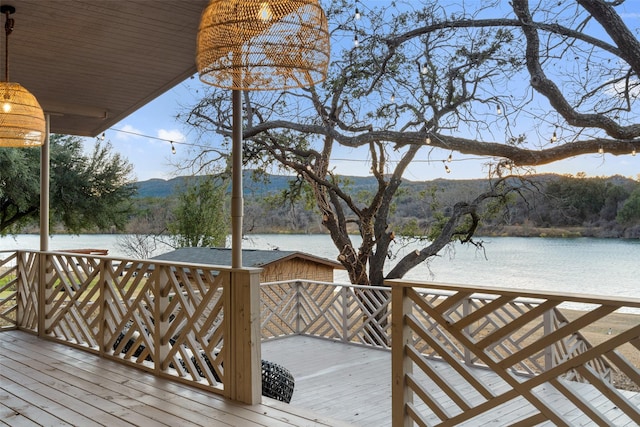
(91, 63)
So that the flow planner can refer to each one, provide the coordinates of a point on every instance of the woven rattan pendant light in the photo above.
(263, 45)
(22, 121)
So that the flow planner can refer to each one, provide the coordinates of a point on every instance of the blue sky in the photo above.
(152, 157)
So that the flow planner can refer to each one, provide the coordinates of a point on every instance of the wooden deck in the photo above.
(353, 384)
(45, 384)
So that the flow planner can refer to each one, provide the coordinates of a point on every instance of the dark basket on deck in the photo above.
(277, 382)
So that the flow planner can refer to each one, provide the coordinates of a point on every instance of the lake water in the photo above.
(581, 265)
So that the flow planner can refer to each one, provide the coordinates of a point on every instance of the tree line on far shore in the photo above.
(547, 205)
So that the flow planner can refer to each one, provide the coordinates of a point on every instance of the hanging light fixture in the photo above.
(22, 121)
(263, 45)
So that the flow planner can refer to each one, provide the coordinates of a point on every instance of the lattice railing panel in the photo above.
(542, 365)
(72, 286)
(321, 310)
(28, 273)
(195, 318)
(128, 301)
(279, 309)
(369, 316)
(8, 289)
(355, 314)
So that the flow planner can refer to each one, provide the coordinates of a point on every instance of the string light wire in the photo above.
(449, 159)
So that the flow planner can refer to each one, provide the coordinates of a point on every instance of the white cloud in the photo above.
(127, 132)
(172, 135)
(621, 86)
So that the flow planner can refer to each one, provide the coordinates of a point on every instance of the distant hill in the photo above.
(164, 188)
(456, 188)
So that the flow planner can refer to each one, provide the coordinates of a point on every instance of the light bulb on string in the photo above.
(102, 137)
(450, 158)
(554, 137)
(393, 97)
(173, 148)
(356, 43)
(498, 110)
(601, 150)
(357, 14)
(446, 168)
(428, 140)
(424, 69)
(265, 14)
(633, 152)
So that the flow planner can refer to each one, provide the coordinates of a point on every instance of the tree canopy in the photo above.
(86, 191)
(520, 83)
(199, 218)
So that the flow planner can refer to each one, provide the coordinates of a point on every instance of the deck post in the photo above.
(298, 286)
(105, 300)
(345, 323)
(401, 365)
(44, 320)
(242, 369)
(161, 344)
(22, 290)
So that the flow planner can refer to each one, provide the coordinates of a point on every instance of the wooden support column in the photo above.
(242, 368)
(44, 231)
(401, 365)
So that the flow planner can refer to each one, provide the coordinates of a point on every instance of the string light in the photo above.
(173, 148)
(102, 137)
(356, 43)
(450, 158)
(601, 150)
(446, 167)
(424, 69)
(357, 15)
(498, 110)
(428, 140)
(633, 152)
(554, 137)
(393, 97)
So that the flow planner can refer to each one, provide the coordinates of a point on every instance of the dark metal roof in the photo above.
(250, 257)
(91, 63)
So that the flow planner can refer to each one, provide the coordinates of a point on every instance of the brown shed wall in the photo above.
(297, 269)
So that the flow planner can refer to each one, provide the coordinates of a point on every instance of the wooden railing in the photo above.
(492, 327)
(362, 315)
(165, 317)
(172, 319)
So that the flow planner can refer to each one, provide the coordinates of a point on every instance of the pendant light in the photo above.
(22, 121)
(263, 45)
